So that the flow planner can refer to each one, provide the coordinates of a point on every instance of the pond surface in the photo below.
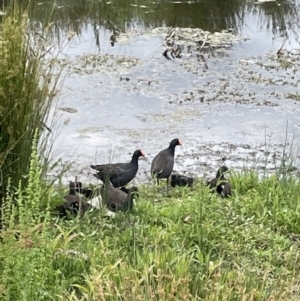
(234, 100)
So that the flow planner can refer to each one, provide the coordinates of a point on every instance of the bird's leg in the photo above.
(157, 184)
(155, 179)
(168, 179)
(80, 209)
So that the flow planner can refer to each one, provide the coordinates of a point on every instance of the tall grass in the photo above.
(190, 246)
(28, 85)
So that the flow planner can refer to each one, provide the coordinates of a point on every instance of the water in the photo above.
(138, 99)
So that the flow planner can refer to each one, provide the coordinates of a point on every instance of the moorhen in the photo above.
(181, 180)
(163, 163)
(119, 174)
(220, 184)
(72, 203)
(85, 191)
(116, 199)
(126, 190)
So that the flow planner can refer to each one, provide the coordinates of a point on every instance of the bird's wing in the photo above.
(110, 169)
(104, 167)
(71, 198)
(158, 163)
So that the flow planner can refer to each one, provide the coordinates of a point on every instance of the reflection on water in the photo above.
(264, 23)
(159, 99)
(277, 17)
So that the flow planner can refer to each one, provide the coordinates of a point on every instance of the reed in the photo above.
(28, 86)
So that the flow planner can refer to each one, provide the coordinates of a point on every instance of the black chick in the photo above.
(72, 203)
(180, 180)
(85, 191)
(220, 184)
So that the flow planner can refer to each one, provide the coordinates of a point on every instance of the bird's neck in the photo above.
(135, 160)
(171, 150)
(72, 191)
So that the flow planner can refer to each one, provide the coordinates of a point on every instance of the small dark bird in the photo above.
(116, 199)
(119, 174)
(73, 204)
(220, 184)
(132, 189)
(163, 163)
(85, 191)
(180, 180)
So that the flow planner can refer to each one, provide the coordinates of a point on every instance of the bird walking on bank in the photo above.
(119, 174)
(163, 163)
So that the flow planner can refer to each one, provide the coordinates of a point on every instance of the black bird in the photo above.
(181, 180)
(163, 163)
(132, 189)
(85, 191)
(116, 199)
(72, 203)
(220, 184)
(119, 174)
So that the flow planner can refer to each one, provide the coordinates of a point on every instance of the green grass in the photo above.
(28, 86)
(190, 246)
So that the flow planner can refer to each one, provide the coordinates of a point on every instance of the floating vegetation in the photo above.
(94, 63)
(197, 40)
(294, 96)
(186, 41)
(273, 69)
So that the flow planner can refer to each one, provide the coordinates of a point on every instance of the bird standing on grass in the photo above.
(119, 174)
(163, 163)
(117, 199)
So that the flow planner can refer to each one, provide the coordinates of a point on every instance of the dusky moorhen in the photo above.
(119, 174)
(181, 180)
(220, 184)
(163, 163)
(116, 199)
(132, 189)
(85, 191)
(72, 203)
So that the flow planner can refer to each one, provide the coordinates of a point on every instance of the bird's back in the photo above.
(118, 174)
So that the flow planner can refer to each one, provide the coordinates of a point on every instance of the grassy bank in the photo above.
(191, 246)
